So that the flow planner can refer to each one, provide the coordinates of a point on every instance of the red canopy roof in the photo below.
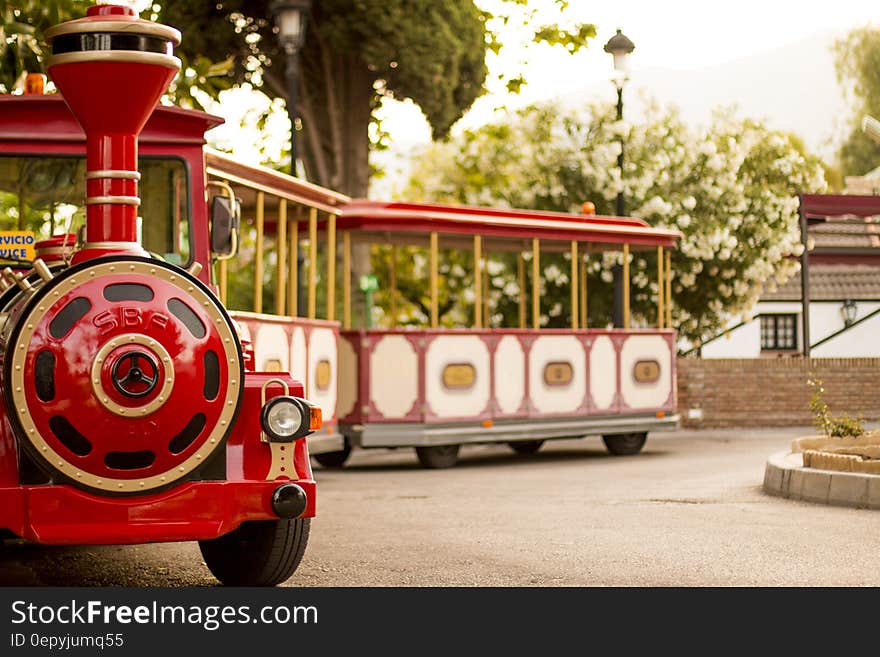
(818, 207)
(376, 216)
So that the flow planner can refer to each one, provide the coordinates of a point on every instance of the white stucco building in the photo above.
(844, 286)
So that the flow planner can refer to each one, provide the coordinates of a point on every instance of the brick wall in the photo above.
(756, 392)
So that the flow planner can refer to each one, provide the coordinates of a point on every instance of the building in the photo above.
(844, 290)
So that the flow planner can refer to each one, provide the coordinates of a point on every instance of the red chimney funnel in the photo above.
(112, 68)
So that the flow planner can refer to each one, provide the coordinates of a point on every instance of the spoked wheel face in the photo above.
(125, 376)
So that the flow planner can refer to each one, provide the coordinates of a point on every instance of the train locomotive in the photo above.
(132, 412)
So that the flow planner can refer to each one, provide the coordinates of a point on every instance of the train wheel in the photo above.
(526, 447)
(625, 444)
(440, 456)
(259, 553)
(334, 459)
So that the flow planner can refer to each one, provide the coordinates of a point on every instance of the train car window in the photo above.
(44, 195)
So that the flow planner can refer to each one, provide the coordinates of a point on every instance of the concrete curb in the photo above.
(785, 476)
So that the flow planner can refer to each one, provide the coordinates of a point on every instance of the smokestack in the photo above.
(112, 68)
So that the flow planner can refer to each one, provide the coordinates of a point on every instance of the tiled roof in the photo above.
(831, 283)
(847, 232)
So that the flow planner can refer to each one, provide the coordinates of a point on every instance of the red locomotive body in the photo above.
(132, 409)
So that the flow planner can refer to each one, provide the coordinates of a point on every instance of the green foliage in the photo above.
(857, 59)
(833, 426)
(22, 23)
(571, 40)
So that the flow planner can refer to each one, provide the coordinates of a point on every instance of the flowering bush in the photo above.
(730, 189)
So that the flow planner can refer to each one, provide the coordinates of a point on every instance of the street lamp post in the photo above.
(290, 17)
(620, 47)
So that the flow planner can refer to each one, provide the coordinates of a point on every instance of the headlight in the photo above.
(286, 419)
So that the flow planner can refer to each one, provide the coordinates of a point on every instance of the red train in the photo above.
(132, 410)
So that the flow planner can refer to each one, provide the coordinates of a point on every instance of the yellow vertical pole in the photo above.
(331, 267)
(393, 286)
(521, 279)
(313, 261)
(478, 282)
(222, 276)
(584, 293)
(626, 286)
(293, 250)
(574, 285)
(346, 279)
(486, 323)
(536, 283)
(258, 257)
(661, 287)
(435, 293)
(281, 269)
(669, 289)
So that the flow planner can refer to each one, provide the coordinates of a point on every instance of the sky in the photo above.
(675, 35)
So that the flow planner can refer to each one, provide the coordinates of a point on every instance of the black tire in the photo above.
(625, 444)
(526, 447)
(440, 456)
(334, 459)
(259, 553)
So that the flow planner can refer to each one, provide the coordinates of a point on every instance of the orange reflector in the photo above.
(316, 420)
(35, 84)
(488, 423)
(660, 414)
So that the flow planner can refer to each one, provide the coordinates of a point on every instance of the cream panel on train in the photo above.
(323, 368)
(394, 376)
(646, 371)
(298, 360)
(510, 375)
(347, 376)
(557, 374)
(603, 373)
(271, 349)
(457, 376)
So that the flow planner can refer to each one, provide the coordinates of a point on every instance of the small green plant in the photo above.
(833, 426)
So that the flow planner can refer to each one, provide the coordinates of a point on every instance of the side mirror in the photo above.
(225, 221)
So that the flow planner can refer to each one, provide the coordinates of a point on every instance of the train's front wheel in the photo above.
(625, 444)
(440, 456)
(259, 553)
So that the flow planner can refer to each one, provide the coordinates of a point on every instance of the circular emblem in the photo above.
(135, 374)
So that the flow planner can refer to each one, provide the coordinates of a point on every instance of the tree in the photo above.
(857, 60)
(731, 190)
(22, 23)
(356, 53)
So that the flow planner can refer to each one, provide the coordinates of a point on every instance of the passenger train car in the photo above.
(435, 387)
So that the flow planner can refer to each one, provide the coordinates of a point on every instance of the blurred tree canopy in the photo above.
(857, 59)
(356, 52)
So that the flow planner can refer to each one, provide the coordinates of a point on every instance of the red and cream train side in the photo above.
(432, 388)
